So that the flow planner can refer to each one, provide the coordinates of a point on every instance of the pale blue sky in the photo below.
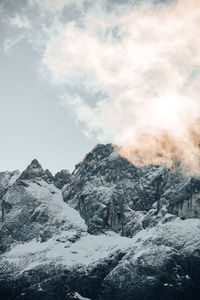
(33, 124)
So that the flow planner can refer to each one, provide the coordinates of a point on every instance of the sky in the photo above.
(77, 73)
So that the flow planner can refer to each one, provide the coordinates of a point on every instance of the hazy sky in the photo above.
(75, 73)
(33, 123)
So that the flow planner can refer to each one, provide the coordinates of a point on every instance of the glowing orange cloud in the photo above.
(161, 147)
(149, 71)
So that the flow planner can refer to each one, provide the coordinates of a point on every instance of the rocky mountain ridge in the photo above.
(109, 230)
(108, 191)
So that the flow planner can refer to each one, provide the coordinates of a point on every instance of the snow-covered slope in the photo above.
(112, 232)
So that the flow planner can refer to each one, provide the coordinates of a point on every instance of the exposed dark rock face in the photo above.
(106, 188)
(122, 232)
(6, 181)
(61, 178)
(35, 170)
(110, 192)
(183, 198)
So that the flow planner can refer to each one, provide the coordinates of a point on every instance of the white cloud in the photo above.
(21, 25)
(144, 58)
(146, 70)
(20, 22)
(10, 43)
(55, 6)
(155, 55)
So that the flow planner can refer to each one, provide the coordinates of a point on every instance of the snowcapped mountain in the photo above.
(109, 230)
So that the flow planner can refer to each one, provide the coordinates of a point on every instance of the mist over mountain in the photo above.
(109, 230)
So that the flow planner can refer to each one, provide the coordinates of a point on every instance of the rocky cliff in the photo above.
(110, 192)
(109, 230)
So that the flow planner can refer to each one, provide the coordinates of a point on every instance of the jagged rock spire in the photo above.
(35, 164)
(35, 170)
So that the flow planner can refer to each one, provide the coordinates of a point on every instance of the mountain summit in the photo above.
(35, 170)
(110, 230)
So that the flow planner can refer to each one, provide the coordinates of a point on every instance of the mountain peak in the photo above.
(35, 170)
(35, 164)
(99, 152)
(104, 149)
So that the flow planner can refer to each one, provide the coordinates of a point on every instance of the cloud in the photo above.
(20, 22)
(10, 43)
(144, 60)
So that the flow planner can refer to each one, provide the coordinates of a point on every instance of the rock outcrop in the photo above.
(35, 170)
(61, 178)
